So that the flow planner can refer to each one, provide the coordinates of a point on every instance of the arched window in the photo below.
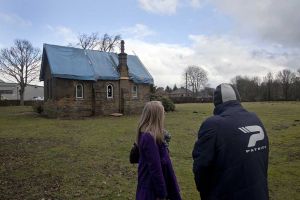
(109, 91)
(134, 91)
(79, 91)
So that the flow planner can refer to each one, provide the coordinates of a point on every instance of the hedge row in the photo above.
(15, 103)
(191, 100)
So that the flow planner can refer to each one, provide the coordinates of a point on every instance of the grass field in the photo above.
(88, 158)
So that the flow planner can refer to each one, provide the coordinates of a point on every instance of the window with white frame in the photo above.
(134, 91)
(110, 91)
(79, 91)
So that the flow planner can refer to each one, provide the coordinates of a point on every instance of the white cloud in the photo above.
(138, 31)
(272, 21)
(275, 21)
(167, 7)
(223, 57)
(65, 34)
(15, 20)
(196, 3)
(164, 61)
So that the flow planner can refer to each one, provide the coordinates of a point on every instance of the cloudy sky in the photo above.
(225, 37)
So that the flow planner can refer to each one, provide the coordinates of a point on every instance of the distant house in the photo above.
(181, 92)
(206, 93)
(82, 82)
(160, 91)
(10, 91)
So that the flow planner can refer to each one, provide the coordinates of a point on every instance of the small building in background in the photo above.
(10, 91)
(207, 93)
(181, 92)
(81, 82)
(160, 91)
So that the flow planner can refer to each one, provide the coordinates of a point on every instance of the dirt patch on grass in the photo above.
(113, 167)
(14, 147)
(284, 126)
(31, 187)
(279, 127)
(27, 113)
(20, 176)
(293, 156)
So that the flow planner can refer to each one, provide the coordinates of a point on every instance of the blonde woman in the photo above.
(156, 178)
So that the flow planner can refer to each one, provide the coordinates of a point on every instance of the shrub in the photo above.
(38, 107)
(168, 104)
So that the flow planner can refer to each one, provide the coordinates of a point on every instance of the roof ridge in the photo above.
(91, 63)
(71, 47)
(113, 61)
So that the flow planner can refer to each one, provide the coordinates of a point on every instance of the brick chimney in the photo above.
(124, 80)
(123, 69)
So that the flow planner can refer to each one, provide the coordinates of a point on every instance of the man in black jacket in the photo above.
(231, 152)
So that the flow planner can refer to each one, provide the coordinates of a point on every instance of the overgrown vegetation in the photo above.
(88, 158)
(37, 107)
(285, 85)
(166, 102)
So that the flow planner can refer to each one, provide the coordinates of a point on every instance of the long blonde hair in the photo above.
(152, 121)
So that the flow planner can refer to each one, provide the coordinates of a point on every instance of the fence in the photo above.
(15, 103)
(191, 99)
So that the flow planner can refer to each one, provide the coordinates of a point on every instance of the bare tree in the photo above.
(109, 42)
(196, 78)
(286, 85)
(106, 43)
(20, 62)
(248, 87)
(269, 81)
(285, 77)
(88, 41)
(296, 85)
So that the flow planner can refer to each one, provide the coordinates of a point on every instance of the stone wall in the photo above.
(103, 104)
(47, 78)
(64, 103)
(67, 108)
(135, 105)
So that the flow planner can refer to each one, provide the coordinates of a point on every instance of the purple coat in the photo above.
(156, 177)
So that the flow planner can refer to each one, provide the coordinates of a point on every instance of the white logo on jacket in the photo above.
(259, 134)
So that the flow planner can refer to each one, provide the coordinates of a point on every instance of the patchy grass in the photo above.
(88, 158)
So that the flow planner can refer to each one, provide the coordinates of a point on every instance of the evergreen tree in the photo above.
(168, 89)
(175, 87)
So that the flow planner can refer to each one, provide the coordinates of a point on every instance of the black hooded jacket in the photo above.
(231, 155)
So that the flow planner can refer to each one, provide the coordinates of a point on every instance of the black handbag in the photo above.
(134, 154)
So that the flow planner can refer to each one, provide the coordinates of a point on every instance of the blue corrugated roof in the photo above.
(80, 64)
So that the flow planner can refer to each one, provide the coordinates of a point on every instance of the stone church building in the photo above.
(79, 82)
